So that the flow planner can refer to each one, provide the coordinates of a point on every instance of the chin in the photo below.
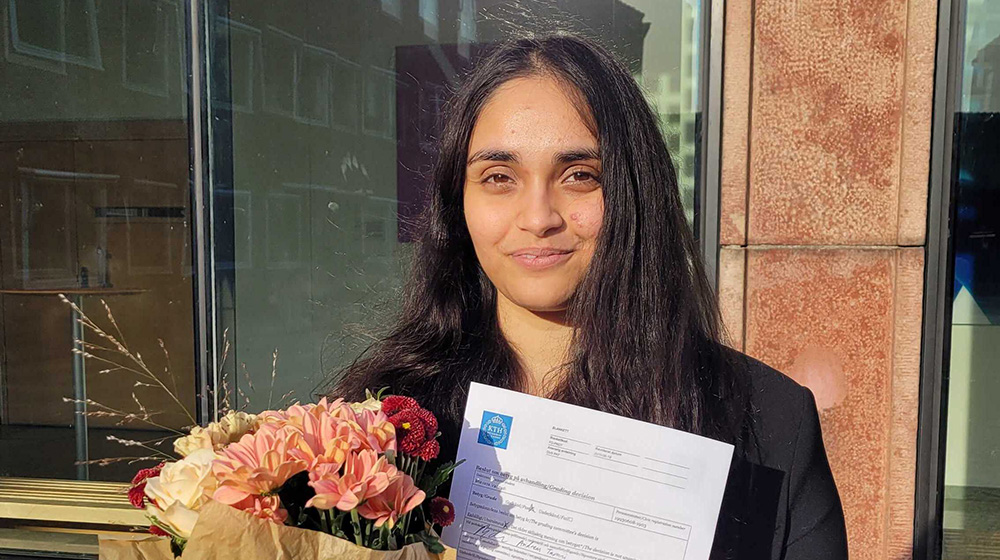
(540, 302)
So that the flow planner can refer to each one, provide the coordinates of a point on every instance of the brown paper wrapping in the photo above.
(225, 533)
(151, 548)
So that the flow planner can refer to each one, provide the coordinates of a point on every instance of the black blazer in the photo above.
(781, 502)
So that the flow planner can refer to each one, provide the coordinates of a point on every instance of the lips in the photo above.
(536, 258)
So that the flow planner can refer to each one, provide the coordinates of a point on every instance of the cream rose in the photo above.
(233, 426)
(371, 403)
(199, 438)
(230, 428)
(179, 492)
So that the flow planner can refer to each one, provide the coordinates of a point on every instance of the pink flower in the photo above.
(264, 507)
(296, 414)
(365, 475)
(330, 431)
(326, 439)
(258, 464)
(398, 499)
(379, 431)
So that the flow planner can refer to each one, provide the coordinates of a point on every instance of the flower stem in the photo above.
(356, 522)
(420, 473)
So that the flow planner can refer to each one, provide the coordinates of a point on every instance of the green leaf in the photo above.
(431, 541)
(165, 528)
(430, 484)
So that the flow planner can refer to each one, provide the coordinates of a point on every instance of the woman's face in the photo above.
(533, 200)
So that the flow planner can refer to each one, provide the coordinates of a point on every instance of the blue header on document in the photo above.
(494, 430)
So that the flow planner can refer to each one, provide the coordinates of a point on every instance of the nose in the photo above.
(539, 214)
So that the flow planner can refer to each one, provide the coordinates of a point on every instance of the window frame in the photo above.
(708, 189)
(21, 52)
(928, 511)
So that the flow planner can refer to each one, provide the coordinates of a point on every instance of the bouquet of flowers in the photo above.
(331, 479)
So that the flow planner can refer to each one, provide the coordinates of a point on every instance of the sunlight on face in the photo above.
(533, 199)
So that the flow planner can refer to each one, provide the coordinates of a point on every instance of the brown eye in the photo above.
(581, 177)
(497, 178)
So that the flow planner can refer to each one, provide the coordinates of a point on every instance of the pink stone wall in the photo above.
(826, 147)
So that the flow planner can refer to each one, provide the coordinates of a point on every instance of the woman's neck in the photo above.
(541, 341)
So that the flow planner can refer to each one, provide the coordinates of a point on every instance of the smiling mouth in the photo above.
(537, 258)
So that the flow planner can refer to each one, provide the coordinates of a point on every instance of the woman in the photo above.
(557, 261)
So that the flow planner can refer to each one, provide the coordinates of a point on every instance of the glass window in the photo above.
(972, 464)
(322, 173)
(429, 13)
(323, 119)
(94, 204)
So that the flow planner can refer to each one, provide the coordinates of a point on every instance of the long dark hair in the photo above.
(646, 322)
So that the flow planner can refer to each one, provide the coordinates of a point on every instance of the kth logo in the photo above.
(495, 429)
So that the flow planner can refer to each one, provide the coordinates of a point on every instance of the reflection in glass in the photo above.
(49, 33)
(95, 204)
(972, 469)
(323, 177)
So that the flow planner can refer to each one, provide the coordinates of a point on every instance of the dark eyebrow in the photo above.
(491, 154)
(577, 155)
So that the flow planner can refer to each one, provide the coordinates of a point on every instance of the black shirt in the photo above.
(781, 502)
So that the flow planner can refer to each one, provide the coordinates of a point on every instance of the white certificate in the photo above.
(544, 479)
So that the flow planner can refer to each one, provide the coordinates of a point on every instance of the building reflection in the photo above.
(972, 473)
(323, 122)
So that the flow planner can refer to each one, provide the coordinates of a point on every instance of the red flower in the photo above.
(137, 496)
(154, 530)
(442, 512)
(137, 493)
(143, 474)
(410, 431)
(430, 422)
(416, 427)
(395, 403)
(429, 450)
